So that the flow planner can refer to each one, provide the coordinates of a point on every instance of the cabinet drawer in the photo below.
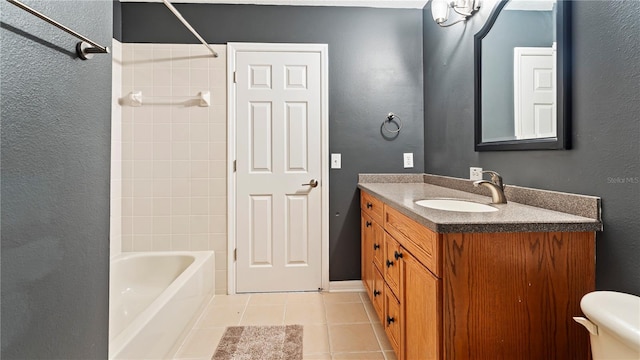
(392, 253)
(378, 294)
(391, 321)
(372, 206)
(423, 243)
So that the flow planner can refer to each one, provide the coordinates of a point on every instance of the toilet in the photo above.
(613, 322)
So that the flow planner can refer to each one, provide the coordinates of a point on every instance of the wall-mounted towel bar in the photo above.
(188, 26)
(135, 99)
(85, 49)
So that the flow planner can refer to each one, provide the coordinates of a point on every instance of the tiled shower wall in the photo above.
(174, 152)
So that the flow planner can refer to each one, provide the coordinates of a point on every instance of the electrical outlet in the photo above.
(475, 173)
(336, 161)
(408, 160)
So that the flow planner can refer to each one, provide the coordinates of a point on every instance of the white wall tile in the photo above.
(199, 187)
(161, 188)
(179, 225)
(180, 187)
(142, 225)
(170, 160)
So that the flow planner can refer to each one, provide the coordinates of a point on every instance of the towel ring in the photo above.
(391, 117)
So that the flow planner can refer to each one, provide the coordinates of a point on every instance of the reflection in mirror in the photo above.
(519, 77)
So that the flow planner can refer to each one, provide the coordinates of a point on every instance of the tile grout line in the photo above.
(371, 321)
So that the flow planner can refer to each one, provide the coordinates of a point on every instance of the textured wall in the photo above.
(375, 67)
(605, 158)
(55, 114)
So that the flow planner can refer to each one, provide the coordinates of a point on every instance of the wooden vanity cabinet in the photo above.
(372, 248)
(478, 295)
(404, 292)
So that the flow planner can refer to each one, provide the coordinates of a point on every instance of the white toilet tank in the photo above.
(613, 323)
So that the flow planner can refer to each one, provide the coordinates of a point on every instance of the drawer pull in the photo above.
(390, 320)
(376, 246)
(368, 223)
(376, 293)
(369, 205)
(397, 255)
(389, 263)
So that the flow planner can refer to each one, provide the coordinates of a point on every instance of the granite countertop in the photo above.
(511, 217)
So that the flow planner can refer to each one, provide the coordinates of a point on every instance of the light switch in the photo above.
(336, 161)
(408, 160)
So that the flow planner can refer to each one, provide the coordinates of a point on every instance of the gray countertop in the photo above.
(511, 217)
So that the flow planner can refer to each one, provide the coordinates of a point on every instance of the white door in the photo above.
(534, 92)
(279, 175)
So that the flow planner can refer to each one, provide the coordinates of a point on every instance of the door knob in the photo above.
(313, 183)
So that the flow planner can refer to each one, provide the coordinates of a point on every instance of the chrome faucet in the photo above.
(495, 186)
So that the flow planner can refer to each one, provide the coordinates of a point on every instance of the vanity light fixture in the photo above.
(465, 8)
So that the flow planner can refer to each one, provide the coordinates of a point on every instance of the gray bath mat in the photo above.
(260, 343)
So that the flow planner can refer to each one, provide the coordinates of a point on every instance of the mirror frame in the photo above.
(563, 84)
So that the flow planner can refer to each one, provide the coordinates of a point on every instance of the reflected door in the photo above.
(278, 179)
(534, 92)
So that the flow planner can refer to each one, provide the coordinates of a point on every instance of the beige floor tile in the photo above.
(268, 299)
(316, 357)
(341, 297)
(305, 298)
(390, 355)
(263, 315)
(382, 337)
(378, 355)
(368, 306)
(227, 300)
(345, 313)
(364, 297)
(216, 316)
(352, 338)
(305, 313)
(315, 339)
(201, 343)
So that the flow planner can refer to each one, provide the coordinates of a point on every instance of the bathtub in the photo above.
(153, 297)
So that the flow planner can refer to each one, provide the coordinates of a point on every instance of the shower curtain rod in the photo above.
(187, 25)
(85, 49)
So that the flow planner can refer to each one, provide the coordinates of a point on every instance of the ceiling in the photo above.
(399, 4)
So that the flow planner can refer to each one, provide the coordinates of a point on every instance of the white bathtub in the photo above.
(153, 296)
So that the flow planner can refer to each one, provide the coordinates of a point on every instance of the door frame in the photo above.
(232, 50)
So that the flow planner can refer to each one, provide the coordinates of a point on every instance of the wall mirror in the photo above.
(522, 82)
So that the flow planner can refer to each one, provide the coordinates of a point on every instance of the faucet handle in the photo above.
(495, 178)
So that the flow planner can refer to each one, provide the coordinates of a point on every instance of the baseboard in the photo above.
(346, 286)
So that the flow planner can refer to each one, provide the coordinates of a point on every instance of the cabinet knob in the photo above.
(369, 205)
(389, 263)
(376, 293)
(397, 255)
(376, 246)
(390, 320)
(368, 223)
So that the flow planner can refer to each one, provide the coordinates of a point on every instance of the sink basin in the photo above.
(456, 205)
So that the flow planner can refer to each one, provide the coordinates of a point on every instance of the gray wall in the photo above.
(605, 157)
(56, 114)
(511, 29)
(375, 67)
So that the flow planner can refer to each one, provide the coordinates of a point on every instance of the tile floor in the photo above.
(336, 325)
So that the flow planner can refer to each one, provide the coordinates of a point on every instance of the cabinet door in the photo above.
(378, 293)
(392, 320)
(393, 255)
(421, 308)
(366, 260)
